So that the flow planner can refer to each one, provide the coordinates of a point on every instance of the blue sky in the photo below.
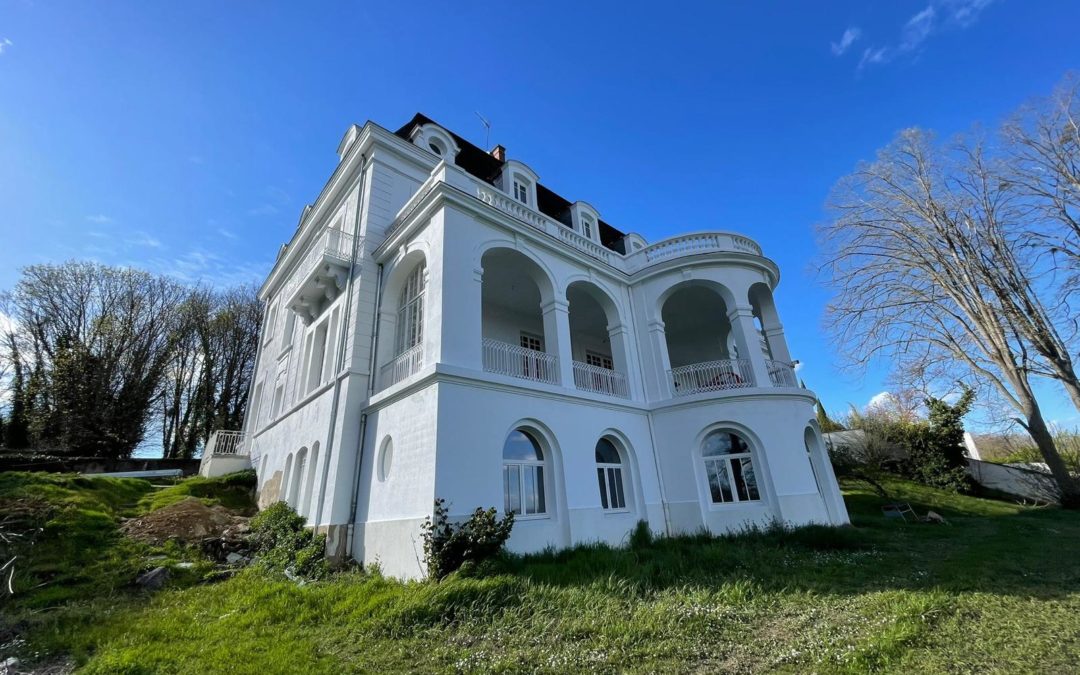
(186, 137)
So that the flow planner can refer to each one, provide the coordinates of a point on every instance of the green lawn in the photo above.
(997, 590)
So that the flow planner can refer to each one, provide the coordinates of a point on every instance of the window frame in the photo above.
(410, 314)
(520, 189)
(605, 471)
(727, 461)
(537, 468)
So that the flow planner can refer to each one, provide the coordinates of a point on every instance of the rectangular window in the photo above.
(532, 366)
(599, 360)
(586, 227)
(521, 192)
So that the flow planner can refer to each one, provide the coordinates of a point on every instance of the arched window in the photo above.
(609, 473)
(523, 475)
(410, 321)
(729, 468)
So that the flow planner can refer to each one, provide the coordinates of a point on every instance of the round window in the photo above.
(435, 148)
(386, 458)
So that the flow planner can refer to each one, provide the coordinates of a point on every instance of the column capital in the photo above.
(740, 311)
(656, 326)
(616, 329)
(555, 304)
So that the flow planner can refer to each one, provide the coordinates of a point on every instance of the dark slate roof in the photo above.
(481, 164)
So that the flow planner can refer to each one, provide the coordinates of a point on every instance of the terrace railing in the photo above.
(600, 380)
(404, 365)
(711, 376)
(503, 358)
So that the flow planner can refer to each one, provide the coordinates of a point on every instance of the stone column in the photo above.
(557, 338)
(746, 338)
(620, 355)
(658, 343)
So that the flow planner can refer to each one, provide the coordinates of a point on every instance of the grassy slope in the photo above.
(996, 590)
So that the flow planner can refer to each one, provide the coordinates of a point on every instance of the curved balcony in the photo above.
(719, 375)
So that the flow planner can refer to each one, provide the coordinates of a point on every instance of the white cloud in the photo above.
(228, 234)
(937, 16)
(5, 44)
(263, 210)
(846, 40)
(878, 400)
(100, 219)
(144, 239)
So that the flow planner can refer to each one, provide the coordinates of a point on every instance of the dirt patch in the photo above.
(188, 521)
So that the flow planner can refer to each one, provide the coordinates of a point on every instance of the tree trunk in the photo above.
(1072, 386)
(1036, 427)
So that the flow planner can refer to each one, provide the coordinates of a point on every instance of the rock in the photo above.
(935, 517)
(9, 665)
(235, 559)
(184, 565)
(153, 580)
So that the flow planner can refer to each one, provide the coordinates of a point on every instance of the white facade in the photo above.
(443, 326)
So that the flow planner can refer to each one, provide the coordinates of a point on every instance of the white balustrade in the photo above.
(404, 365)
(224, 442)
(711, 376)
(529, 364)
(781, 374)
(588, 377)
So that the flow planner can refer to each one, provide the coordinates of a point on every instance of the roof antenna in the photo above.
(487, 126)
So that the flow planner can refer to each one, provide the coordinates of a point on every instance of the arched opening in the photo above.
(525, 486)
(402, 321)
(770, 336)
(295, 484)
(286, 480)
(518, 317)
(819, 465)
(702, 347)
(597, 341)
(612, 475)
(307, 499)
(729, 467)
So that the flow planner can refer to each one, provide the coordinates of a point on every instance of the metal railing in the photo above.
(405, 364)
(781, 374)
(600, 380)
(232, 443)
(529, 364)
(711, 376)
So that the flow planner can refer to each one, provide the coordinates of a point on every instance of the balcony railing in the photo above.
(711, 376)
(781, 374)
(404, 365)
(227, 443)
(529, 364)
(600, 380)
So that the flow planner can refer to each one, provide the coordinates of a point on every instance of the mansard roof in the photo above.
(487, 168)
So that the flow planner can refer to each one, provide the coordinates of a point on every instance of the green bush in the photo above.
(448, 546)
(285, 546)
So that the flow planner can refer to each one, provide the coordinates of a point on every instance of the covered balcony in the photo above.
(518, 318)
(702, 347)
(596, 341)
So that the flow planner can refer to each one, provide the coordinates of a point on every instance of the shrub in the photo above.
(641, 537)
(283, 545)
(448, 546)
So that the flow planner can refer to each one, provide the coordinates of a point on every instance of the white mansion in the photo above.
(442, 325)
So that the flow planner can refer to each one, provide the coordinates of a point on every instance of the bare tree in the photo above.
(92, 343)
(1043, 146)
(210, 373)
(919, 255)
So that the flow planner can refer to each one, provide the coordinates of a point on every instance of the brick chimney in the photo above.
(499, 153)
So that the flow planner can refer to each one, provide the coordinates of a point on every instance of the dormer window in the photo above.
(587, 226)
(521, 190)
(435, 140)
(586, 220)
